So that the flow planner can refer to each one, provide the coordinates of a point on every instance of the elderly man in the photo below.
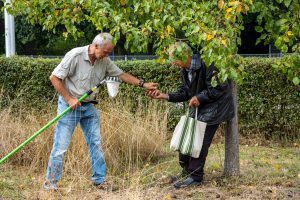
(215, 105)
(81, 69)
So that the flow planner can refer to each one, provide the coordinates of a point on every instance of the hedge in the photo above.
(268, 103)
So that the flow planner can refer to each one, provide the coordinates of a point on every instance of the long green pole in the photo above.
(48, 124)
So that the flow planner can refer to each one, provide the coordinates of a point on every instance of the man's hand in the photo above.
(73, 102)
(194, 102)
(60, 88)
(150, 86)
(156, 94)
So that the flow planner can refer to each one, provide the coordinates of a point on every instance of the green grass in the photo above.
(266, 173)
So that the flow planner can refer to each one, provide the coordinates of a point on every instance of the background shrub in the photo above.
(268, 103)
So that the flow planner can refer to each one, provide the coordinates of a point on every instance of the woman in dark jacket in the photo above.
(215, 105)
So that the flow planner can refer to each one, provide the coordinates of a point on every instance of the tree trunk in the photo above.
(232, 160)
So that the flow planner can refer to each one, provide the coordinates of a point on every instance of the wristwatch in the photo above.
(141, 83)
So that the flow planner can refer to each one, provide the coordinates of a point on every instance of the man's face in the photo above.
(104, 51)
(180, 63)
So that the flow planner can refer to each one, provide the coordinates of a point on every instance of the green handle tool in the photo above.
(49, 124)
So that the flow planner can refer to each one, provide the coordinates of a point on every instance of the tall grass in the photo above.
(129, 140)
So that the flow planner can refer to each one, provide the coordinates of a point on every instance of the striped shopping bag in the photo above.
(188, 136)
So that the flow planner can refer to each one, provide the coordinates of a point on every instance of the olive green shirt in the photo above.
(79, 75)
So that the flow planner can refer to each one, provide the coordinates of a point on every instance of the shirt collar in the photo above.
(86, 53)
(195, 63)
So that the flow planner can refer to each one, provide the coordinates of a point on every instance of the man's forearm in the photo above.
(59, 87)
(129, 79)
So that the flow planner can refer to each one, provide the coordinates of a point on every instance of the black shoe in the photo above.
(183, 174)
(189, 182)
(105, 186)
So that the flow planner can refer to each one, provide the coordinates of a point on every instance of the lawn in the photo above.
(267, 172)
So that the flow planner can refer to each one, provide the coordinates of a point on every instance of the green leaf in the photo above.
(196, 30)
(278, 42)
(258, 29)
(280, 22)
(296, 80)
(284, 48)
(233, 73)
(214, 82)
(147, 7)
(275, 66)
(287, 3)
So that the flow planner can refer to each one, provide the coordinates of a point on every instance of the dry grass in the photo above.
(266, 173)
(138, 160)
(128, 140)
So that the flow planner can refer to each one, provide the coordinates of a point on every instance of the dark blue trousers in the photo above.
(195, 166)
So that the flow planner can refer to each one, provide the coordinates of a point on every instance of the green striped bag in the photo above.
(188, 136)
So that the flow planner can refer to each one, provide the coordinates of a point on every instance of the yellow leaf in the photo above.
(220, 4)
(228, 10)
(123, 2)
(246, 9)
(227, 15)
(56, 13)
(290, 33)
(233, 3)
(209, 37)
(161, 60)
(277, 166)
(167, 197)
(299, 176)
(224, 42)
(239, 8)
(170, 29)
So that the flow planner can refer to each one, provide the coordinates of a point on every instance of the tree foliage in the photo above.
(213, 27)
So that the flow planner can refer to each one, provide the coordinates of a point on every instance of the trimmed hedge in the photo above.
(268, 103)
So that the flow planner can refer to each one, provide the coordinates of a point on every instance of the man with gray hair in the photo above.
(214, 104)
(81, 69)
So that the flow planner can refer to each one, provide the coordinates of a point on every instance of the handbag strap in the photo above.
(187, 111)
(196, 113)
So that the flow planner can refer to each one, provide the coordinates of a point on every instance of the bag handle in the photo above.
(196, 113)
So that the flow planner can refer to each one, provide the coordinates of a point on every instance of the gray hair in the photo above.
(186, 47)
(102, 38)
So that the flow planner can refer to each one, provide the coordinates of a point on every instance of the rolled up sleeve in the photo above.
(112, 69)
(65, 68)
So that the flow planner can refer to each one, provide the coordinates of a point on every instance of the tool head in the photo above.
(113, 84)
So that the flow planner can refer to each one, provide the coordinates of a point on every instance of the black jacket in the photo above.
(216, 103)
